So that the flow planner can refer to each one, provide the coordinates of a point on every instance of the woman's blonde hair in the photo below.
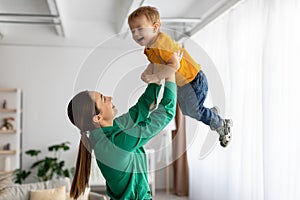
(151, 14)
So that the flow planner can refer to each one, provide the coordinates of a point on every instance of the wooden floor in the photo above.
(159, 194)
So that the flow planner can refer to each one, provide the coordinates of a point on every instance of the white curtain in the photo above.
(256, 49)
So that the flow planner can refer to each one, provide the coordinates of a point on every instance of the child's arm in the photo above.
(169, 69)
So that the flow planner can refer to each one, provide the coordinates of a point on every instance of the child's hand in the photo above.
(178, 57)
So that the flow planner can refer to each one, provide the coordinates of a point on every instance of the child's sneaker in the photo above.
(224, 130)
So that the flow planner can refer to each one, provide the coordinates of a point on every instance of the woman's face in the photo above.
(105, 105)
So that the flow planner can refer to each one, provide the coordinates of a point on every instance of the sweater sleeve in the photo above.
(138, 135)
(140, 111)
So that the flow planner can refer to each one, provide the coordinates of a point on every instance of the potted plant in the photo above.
(47, 168)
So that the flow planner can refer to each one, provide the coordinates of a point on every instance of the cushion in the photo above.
(21, 192)
(5, 180)
(49, 194)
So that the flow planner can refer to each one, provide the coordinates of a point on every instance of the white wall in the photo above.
(46, 70)
(46, 76)
(50, 70)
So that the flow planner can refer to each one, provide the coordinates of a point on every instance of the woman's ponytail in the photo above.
(81, 110)
(83, 167)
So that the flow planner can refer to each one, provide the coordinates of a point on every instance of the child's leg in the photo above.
(191, 98)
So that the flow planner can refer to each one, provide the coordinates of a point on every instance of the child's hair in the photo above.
(81, 110)
(151, 14)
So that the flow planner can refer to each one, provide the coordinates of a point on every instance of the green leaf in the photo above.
(66, 173)
(33, 152)
(48, 167)
(37, 163)
(64, 146)
(20, 175)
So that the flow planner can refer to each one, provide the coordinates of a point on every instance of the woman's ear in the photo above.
(97, 118)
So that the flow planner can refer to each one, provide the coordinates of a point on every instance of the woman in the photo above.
(118, 143)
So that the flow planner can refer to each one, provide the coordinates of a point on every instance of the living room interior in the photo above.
(52, 49)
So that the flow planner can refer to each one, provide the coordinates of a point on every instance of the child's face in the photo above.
(143, 31)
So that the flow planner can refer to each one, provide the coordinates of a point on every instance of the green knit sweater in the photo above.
(119, 149)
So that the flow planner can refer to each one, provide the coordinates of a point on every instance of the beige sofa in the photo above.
(24, 191)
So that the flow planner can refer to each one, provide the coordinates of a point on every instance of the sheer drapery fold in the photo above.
(255, 47)
(180, 165)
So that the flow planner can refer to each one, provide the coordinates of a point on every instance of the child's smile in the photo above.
(142, 31)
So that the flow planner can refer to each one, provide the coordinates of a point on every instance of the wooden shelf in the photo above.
(5, 172)
(8, 90)
(8, 110)
(11, 106)
(7, 131)
(7, 152)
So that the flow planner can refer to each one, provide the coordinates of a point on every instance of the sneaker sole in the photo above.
(227, 138)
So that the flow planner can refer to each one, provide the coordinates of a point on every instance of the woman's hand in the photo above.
(148, 76)
(153, 75)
